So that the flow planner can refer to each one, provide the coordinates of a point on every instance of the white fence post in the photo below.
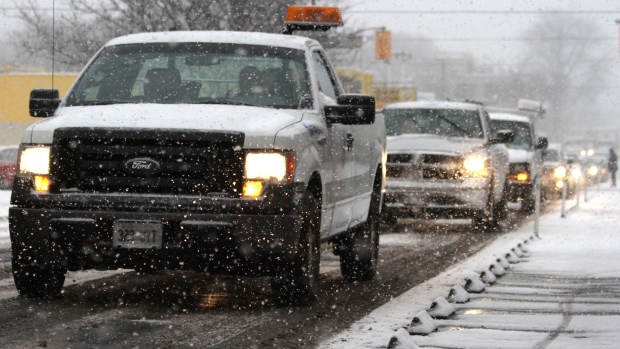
(537, 206)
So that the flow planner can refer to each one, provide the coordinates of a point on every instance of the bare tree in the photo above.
(88, 25)
(562, 66)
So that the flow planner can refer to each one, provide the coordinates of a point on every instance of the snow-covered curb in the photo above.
(377, 328)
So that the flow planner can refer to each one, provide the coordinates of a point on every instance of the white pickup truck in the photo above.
(223, 152)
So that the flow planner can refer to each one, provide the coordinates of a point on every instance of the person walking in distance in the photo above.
(612, 165)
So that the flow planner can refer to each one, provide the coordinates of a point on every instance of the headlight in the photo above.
(35, 160)
(475, 165)
(271, 167)
(592, 170)
(559, 172)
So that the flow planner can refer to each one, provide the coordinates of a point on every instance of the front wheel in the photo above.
(488, 218)
(528, 205)
(296, 281)
(33, 280)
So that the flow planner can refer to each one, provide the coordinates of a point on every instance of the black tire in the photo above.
(33, 280)
(501, 209)
(528, 205)
(359, 253)
(486, 219)
(296, 280)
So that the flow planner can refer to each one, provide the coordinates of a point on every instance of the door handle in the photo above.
(349, 142)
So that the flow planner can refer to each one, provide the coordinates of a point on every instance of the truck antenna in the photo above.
(53, 37)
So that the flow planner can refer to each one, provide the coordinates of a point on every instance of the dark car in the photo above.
(8, 162)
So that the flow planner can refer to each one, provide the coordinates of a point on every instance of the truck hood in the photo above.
(259, 125)
(519, 155)
(432, 143)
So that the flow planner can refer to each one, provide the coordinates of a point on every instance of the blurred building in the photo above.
(15, 87)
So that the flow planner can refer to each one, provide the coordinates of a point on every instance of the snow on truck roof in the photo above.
(433, 105)
(249, 38)
(509, 117)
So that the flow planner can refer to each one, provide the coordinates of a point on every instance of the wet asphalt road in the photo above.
(123, 309)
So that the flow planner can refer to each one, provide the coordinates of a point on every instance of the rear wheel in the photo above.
(359, 251)
(296, 281)
(33, 280)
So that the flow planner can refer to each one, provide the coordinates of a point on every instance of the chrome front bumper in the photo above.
(449, 198)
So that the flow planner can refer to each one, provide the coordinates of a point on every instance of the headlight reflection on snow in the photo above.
(474, 312)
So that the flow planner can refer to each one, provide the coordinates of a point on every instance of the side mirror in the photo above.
(44, 102)
(542, 143)
(352, 109)
(502, 136)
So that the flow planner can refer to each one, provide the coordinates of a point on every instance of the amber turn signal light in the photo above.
(252, 189)
(41, 183)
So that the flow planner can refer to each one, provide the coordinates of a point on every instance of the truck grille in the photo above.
(441, 167)
(189, 162)
(399, 165)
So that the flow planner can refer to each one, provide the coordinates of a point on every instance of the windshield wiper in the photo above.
(465, 132)
(226, 102)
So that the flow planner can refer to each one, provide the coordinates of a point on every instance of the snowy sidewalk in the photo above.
(563, 293)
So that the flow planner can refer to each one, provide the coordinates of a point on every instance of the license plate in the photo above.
(137, 234)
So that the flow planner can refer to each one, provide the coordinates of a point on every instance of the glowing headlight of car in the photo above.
(592, 170)
(267, 167)
(35, 160)
(475, 165)
(559, 172)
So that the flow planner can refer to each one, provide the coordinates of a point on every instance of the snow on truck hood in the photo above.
(259, 125)
(431, 143)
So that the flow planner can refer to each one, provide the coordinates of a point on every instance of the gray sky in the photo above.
(491, 30)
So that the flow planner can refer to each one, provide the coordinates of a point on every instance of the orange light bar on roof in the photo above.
(312, 18)
(317, 15)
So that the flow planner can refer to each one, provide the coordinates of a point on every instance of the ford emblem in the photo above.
(142, 166)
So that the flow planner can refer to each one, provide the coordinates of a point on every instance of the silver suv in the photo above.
(444, 161)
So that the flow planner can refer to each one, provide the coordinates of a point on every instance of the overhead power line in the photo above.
(483, 12)
(602, 38)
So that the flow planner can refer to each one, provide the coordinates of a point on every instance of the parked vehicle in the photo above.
(525, 157)
(226, 152)
(8, 163)
(444, 161)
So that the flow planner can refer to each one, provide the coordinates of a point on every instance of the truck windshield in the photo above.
(441, 122)
(201, 73)
(523, 136)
